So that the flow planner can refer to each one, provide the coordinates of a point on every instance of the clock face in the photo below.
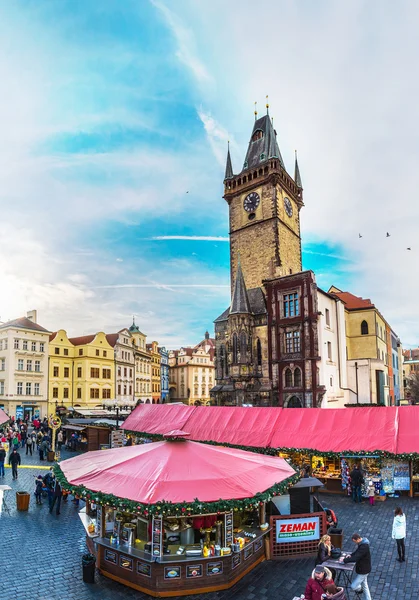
(251, 202)
(288, 206)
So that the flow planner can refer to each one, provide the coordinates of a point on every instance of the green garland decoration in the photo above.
(287, 450)
(169, 509)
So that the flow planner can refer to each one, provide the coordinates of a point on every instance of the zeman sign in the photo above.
(297, 530)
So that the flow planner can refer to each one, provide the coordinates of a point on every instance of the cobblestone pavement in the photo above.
(40, 554)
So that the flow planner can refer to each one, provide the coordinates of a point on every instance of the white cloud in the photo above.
(198, 238)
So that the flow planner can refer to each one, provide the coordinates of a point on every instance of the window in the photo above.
(130, 390)
(243, 347)
(28, 388)
(78, 393)
(57, 350)
(55, 392)
(130, 372)
(106, 373)
(119, 389)
(327, 311)
(5, 344)
(125, 371)
(79, 371)
(56, 372)
(19, 388)
(25, 345)
(1, 344)
(29, 365)
(36, 389)
(66, 371)
(292, 341)
(65, 393)
(80, 352)
(37, 366)
(20, 364)
(234, 348)
(259, 353)
(65, 351)
(119, 371)
(291, 305)
(2, 364)
(16, 344)
(364, 328)
(288, 378)
(33, 346)
(258, 135)
(125, 390)
(97, 352)
(106, 393)
(94, 392)
(329, 350)
(297, 377)
(1, 388)
(41, 347)
(105, 353)
(94, 372)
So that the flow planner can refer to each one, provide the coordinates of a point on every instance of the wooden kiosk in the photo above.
(176, 517)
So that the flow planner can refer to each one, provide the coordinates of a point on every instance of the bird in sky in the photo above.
(359, 235)
(408, 248)
(187, 192)
(387, 234)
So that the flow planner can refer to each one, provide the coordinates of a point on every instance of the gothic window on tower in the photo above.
(291, 305)
(364, 328)
(297, 377)
(243, 347)
(235, 349)
(259, 353)
(288, 378)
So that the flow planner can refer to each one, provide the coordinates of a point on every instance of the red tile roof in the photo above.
(52, 336)
(353, 302)
(84, 339)
(24, 323)
(112, 338)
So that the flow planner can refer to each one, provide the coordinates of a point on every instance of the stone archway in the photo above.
(293, 402)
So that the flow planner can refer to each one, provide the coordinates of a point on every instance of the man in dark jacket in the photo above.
(2, 460)
(57, 495)
(362, 559)
(356, 482)
(14, 461)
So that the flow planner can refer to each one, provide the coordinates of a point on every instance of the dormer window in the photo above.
(245, 165)
(262, 156)
(258, 135)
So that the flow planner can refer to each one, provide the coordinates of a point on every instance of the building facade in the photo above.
(192, 373)
(153, 350)
(124, 367)
(24, 367)
(142, 389)
(164, 373)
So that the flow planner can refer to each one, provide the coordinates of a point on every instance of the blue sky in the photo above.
(115, 119)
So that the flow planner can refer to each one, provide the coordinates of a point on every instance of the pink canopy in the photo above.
(176, 472)
(3, 417)
(387, 429)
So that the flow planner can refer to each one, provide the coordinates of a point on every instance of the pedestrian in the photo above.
(356, 482)
(14, 461)
(39, 484)
(23, 436)
(399, 532)
(316, 585)
(371, 493)
(362, 559)
(324, 549)
(60, 439)
(57, 495)
(2, 459)
(335, 593)
(29, 445)
(33, 441)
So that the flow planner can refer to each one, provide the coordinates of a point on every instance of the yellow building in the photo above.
(368, 359)
(192, 373)
(153, 350)
(81, 371)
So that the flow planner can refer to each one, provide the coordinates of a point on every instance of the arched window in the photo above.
(243, 347)
(259, 353)
(234, 348)
(288, 378)
(294, 402)
(364, 328)
(297, 377)
(221, 364)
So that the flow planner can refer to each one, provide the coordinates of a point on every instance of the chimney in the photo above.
(31, 314)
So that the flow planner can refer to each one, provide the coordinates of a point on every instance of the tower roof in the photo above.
(134, 328)
(263, 144)
(240, 300)
(229, 168)
(297, 176)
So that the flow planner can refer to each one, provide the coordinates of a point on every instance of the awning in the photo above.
(73, 427)
(3, 417)
(148, 420)
(216, 388)
(308, 482)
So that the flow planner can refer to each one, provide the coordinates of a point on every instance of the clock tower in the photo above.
(264, 208)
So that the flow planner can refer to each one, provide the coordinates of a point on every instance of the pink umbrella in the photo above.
(176, 472)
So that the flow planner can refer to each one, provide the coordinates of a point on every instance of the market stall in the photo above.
(176, 517)
(86, 437)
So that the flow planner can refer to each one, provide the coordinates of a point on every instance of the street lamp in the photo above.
(116, 405)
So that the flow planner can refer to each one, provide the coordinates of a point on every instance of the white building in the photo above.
(122, 343)
(332, 366)
(24, 367)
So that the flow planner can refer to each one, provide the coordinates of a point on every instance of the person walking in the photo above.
(362, 559)
(371, 493)
(399, 532)
(14, 462)
(58, 493)
(28, 445)
(60, 439)
(39, 484)
(2, 460)
(357, 480)
(33, 441)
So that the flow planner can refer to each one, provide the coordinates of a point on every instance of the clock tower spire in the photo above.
(264, 207)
